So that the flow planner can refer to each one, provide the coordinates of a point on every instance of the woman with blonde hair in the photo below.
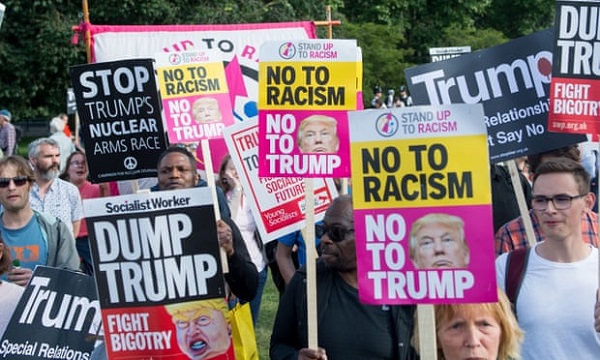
(483, 331)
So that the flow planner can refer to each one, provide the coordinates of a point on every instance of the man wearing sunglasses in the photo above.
(347, 328)
(34, 238)
(555, 304)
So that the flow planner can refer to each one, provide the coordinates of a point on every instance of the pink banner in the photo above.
(304, 143)
(238, 44)
(425, 278)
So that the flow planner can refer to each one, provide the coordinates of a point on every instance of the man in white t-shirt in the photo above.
(557, 298)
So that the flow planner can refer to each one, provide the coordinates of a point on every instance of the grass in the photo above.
(268, 309)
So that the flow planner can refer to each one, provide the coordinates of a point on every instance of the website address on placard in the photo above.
(575, 126)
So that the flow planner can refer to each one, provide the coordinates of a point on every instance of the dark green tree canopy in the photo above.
(36, 47)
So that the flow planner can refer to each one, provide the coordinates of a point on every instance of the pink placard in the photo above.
(424, 276)
(305, 143)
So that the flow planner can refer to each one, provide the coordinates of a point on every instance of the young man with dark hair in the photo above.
(511, 236)
(555, 303)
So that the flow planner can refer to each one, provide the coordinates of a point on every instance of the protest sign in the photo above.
(278, 204)
(422, 205)
(445, 53)
(511, 81)
(58, 317)
(305, 90)
(194, 95)
(575, 87)
(238, 44)
(2, 9)
(119, 107)
(156, 260)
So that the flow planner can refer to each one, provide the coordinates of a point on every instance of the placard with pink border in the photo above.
(422, 205)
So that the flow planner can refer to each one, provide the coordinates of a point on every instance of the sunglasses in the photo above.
(18, 180)
(334, 232)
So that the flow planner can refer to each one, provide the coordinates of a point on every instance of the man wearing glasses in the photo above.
(511, 236)
(557, 296)
(347, 328)
(34, 238)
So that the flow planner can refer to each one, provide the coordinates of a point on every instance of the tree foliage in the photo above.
(36, 50)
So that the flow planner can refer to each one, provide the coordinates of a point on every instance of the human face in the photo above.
(560, 224)
(175, 172)
(319, 137)
(47, 164)
(439, 246)
(207, 111)
(202, 333)
(13, 198)
(77, 169)
(340, 255)
(475, 336)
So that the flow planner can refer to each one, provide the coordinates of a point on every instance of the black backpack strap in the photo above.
(516, 265)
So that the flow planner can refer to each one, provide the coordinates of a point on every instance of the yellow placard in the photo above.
(192, 79)
(302, 85)
(420, 173)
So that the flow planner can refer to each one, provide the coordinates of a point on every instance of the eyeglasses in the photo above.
(560, 202)
(18, 180)
(189, 146)
(77, 163)
(335, 233)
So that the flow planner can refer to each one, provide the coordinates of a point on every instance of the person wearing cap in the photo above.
(377, 98)
(405, 99)
(8, 134)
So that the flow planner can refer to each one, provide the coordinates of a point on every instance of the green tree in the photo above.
(384, 53)
(35, 53)
(36, 50)
(515, 18)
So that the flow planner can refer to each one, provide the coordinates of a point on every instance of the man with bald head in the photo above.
(384, 330)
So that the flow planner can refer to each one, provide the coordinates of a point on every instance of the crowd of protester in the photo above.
(557, 315)
(391, 100)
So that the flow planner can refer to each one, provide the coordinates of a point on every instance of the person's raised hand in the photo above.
(20, 275)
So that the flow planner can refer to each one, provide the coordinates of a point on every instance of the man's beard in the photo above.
(51, 174)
